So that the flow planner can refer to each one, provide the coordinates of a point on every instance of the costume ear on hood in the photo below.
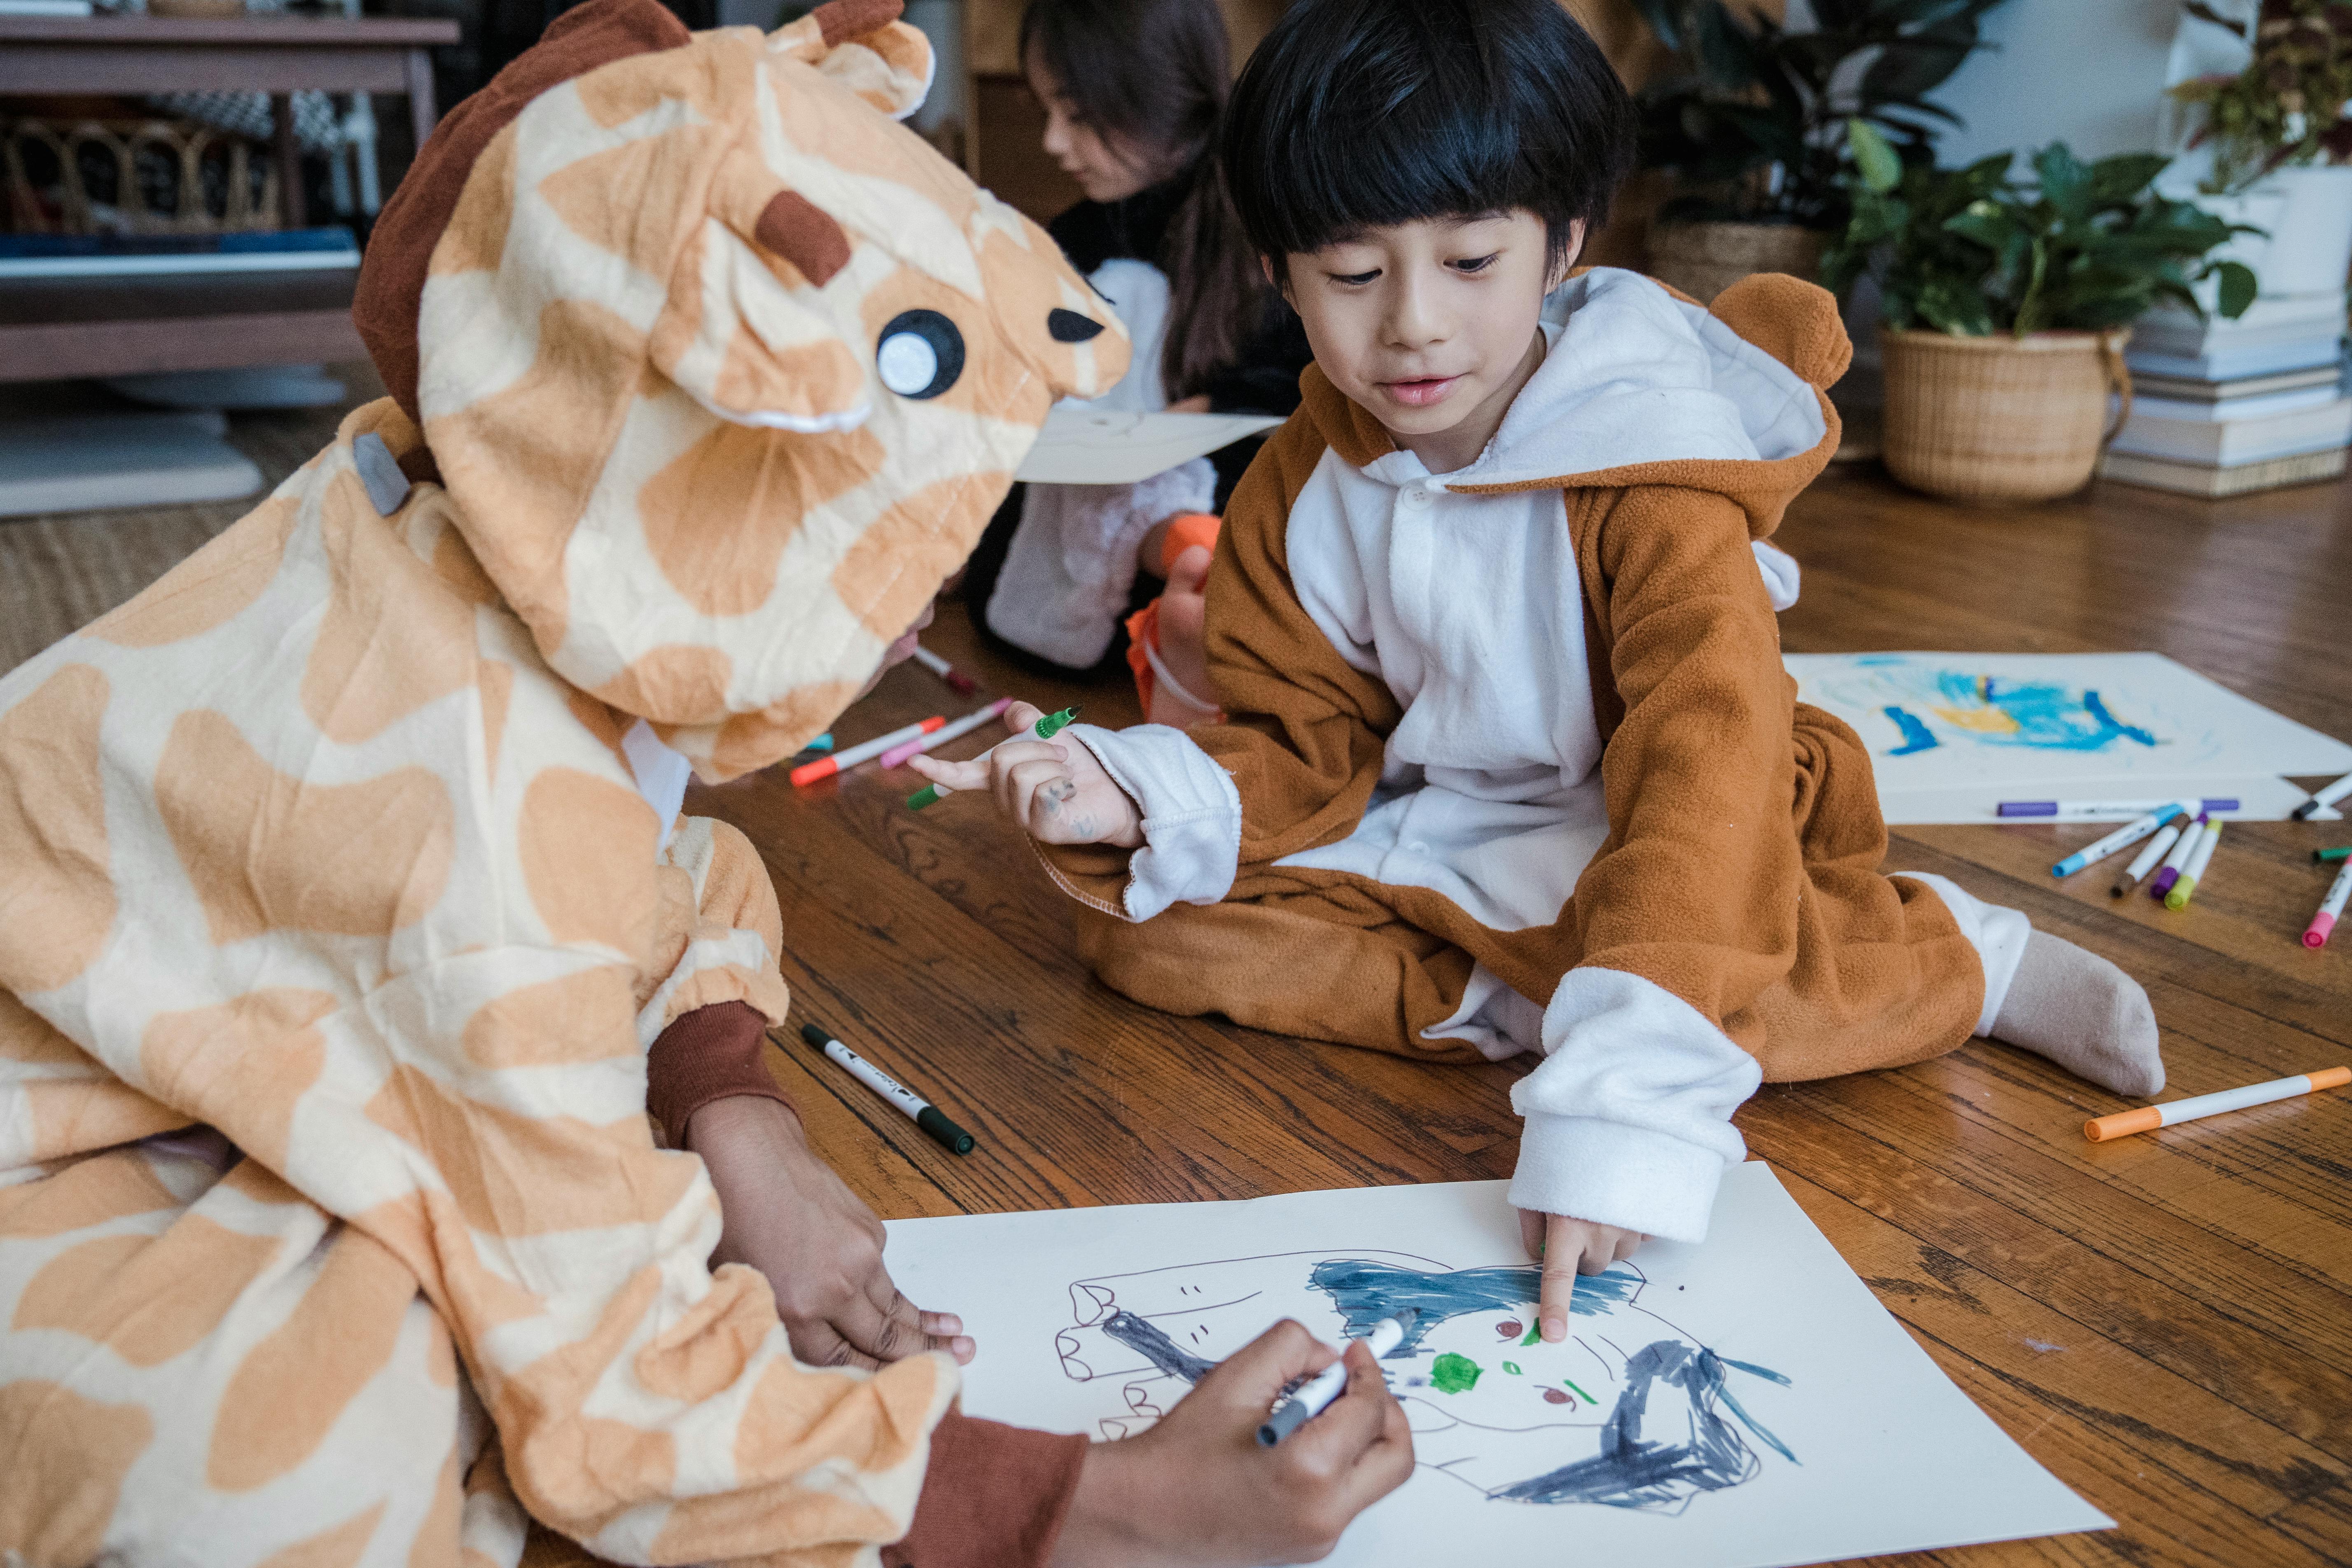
(752, 340)
(725, 372)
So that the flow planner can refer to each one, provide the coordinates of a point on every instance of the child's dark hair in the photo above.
(1154, 74)
(1356, 114)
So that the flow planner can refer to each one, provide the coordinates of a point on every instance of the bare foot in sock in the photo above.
(2085, 1014)
(1184, 640)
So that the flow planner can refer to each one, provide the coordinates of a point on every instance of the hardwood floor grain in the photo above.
(2166, 1320)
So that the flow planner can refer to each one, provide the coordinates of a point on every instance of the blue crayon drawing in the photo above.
(1932, 707)
(1628, 1412)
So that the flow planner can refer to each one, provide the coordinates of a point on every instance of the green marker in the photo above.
(1045, 728)
(2325, 856)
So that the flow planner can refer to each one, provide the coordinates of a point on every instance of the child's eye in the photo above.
(1354, 279)
(1477, 263)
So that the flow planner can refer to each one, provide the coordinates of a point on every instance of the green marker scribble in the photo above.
(1512, 1367)
(1580, 1394)
(1535, 1332)
(1454, 1374)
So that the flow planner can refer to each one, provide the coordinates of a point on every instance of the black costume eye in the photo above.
(1069, 327)
(920, 355)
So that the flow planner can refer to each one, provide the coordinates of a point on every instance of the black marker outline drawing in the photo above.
(1643, 1462)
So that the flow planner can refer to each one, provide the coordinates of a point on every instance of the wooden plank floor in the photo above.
(2165, 1321)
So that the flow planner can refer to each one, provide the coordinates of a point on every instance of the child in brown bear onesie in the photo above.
(1511, 762)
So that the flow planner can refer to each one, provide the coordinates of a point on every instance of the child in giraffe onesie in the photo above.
(1512, 763)
(347, 905)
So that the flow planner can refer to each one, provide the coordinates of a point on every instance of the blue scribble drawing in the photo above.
(1628, 1412)
(1931, 707)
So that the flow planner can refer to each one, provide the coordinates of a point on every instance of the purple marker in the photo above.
(2083, 808)
(2170, 873)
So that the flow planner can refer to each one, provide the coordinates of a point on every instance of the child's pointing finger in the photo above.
(954, 776)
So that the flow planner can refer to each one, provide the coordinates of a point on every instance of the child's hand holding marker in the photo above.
(1198, 1489)
(1056, 790)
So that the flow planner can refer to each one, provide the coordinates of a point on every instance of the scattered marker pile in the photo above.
(2178, 850)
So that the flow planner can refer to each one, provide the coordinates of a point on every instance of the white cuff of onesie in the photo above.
(1613, 1173)
(1995, 930)
(1633, 1100)
(1192, 814)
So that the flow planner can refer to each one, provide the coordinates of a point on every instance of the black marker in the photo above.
(951, 1137)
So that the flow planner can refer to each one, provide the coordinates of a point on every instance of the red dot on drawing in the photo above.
(1510, 1329)
(1555, 1397)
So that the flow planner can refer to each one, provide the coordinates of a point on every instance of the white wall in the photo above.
(2089, 72)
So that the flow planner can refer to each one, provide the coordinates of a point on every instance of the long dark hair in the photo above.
(1152, 76)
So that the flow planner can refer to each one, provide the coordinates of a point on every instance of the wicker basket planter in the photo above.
(2001, 419)
(1703, 260)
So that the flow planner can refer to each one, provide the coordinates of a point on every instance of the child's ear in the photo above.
(1568, 255)
(1279, 281)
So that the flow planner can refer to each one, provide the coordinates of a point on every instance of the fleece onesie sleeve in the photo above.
(1303, 740)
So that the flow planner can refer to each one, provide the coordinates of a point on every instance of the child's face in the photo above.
(1105, 167)
(1430, 325)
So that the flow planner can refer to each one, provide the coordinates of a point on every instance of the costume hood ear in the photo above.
(862, 44)
(751, 339)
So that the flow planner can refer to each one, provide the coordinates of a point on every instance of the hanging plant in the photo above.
(2286, 108)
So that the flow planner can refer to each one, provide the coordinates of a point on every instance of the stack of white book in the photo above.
(2222, 408)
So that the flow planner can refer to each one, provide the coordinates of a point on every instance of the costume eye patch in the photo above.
(920, 355)
(1069, 327)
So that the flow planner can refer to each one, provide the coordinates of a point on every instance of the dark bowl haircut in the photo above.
(1359, 114)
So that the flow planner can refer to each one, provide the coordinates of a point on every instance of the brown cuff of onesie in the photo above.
(993, 1497)
(712, 1053)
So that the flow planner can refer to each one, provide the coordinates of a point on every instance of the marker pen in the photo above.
(1324, 1387)
(1044, 729)
(926, 1115)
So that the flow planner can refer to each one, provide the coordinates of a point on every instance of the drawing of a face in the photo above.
(1626, 1412)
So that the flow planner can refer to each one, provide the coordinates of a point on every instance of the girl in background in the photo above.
(1133, 91)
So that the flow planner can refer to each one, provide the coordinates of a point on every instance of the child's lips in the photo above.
(1423, 391)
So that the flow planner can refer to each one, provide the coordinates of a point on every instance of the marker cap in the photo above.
(948, 1135)
(2315, 935)
(1283, 1423)
(2123, 1124)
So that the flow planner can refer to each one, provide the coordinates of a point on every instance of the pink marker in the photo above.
(2338, 895)
(962, 727)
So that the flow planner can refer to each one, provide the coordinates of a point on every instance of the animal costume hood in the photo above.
(346, 858)
(1513, 762)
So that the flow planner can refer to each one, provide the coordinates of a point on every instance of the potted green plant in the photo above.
(2006, 305)
(2261, 88)
(1751, 125)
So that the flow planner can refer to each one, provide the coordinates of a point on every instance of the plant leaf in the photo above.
(1916, 63)
(2237, 288)
(1873, 157)
(2066, 183)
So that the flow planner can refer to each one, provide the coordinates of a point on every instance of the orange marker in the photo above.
(826, 767)
(2148, 1118)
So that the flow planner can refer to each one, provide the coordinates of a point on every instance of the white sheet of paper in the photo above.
(1083, 445)
(1958, 732)
(1853, 1443)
